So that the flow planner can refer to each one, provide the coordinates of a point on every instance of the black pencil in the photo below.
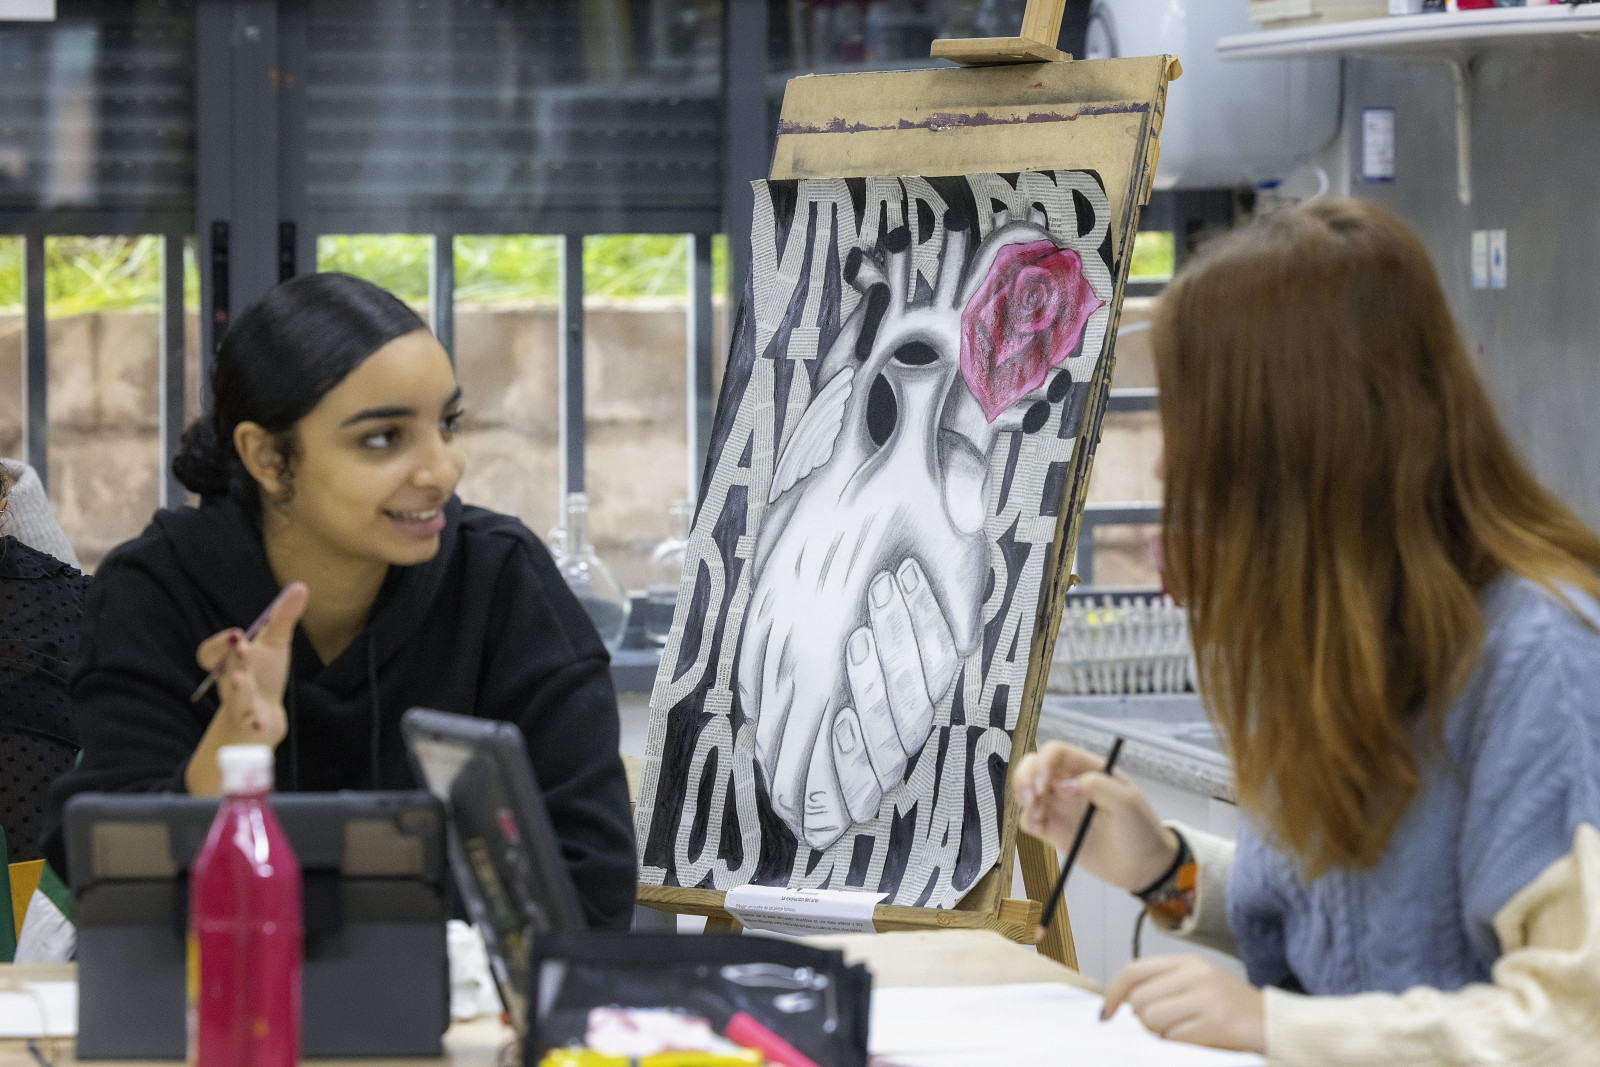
(1077, 843)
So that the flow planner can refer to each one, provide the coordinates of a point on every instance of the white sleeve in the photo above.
(1542, 1006)
(1207, 925)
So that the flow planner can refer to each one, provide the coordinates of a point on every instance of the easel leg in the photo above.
(1039, 870)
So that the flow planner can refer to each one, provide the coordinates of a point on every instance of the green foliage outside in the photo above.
(493, 269)
(84, 274)
(1152, 254)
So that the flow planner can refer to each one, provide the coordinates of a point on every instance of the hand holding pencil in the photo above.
(251, 668)
(1126, 845)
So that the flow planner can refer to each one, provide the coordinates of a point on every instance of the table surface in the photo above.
(923, 958)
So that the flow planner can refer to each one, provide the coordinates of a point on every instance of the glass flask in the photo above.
(666, 568)
(590, 580)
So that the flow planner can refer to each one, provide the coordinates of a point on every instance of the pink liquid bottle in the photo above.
(244, 927)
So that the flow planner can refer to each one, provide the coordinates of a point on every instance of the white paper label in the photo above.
(802, 911)
(1377, 144)
(1480, 259)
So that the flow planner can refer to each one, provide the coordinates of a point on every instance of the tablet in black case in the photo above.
(375, 979)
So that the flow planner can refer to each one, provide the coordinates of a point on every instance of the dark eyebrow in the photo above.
(395, 411)
(390, 412)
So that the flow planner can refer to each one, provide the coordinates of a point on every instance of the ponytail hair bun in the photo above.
(202, 461)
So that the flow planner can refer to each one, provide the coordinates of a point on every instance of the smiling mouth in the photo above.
(413, 516)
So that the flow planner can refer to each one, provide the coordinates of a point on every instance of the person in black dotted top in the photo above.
(41, 601)
(327, 468)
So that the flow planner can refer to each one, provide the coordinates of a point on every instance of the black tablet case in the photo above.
(375, 981)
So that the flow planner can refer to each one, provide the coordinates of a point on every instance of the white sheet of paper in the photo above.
(1043, 1024)
(802, 911)
(21, 1008)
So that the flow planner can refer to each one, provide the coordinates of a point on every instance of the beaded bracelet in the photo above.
(1171, 897)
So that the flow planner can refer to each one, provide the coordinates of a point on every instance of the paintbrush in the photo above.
(1077, 843)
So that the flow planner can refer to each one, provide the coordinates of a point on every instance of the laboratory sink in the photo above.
(1173, 721)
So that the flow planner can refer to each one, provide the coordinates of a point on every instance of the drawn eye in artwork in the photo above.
(871, 565)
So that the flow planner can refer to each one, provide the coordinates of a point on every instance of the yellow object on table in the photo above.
(24, 880)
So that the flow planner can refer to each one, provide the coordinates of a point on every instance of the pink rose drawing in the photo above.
(1025, 318)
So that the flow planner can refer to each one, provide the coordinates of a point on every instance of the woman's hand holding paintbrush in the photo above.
(1126, 845)
(251, 669)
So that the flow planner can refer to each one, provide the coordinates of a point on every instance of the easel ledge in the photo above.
(1015, 920)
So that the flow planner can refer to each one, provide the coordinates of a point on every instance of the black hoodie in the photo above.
(487, 627)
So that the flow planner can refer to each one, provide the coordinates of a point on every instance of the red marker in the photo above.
(744, 1029)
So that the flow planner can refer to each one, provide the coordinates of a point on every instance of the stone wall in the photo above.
(104, 452)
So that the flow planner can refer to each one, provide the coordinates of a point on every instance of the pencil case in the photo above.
(793, 1003)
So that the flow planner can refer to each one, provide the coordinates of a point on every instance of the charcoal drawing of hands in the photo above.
(869, 572)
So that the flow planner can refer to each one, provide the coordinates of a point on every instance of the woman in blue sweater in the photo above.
(1398, 636)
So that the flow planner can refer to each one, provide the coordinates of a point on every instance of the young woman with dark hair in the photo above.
(1398, 636)
(327, 468)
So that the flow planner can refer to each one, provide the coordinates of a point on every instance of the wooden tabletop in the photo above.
(922, 958)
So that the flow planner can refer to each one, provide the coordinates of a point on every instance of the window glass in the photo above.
(507, 296)
(1152, 256)
(503, 118)
(1125, 461)
(1124, 556)
(635, 380)
(10, 346)
(97, 111)
(838, 35)
(103, 305)
(396, 261)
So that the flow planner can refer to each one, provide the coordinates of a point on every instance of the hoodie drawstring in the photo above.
(372, 690)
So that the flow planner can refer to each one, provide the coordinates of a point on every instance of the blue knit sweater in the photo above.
(1520, 773)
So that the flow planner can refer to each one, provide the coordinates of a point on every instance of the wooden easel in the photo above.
(1009, 110)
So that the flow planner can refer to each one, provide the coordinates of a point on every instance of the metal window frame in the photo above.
(171, 370)
(251, 178)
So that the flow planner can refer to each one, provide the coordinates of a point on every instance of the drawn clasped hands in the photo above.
(870, 569)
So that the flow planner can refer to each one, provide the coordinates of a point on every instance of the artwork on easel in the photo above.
(844, 674)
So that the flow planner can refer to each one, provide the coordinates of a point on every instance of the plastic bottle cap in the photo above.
(245, 768)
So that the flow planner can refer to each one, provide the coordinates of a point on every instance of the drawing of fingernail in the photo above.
(910, 576)
(881, 591)
(844, 733)
(860, 646)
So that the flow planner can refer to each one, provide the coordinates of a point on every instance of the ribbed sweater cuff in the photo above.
(1310, 1031)
(1208, 924)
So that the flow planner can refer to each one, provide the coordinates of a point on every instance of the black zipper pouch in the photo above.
(749, 989)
